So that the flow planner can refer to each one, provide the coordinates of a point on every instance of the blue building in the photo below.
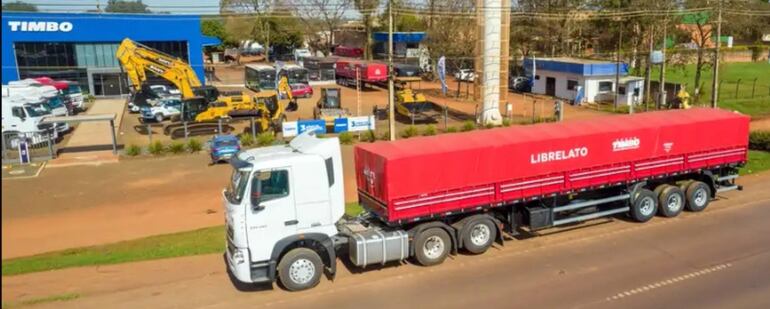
(405, 44)
(81, 46)
(584, 80)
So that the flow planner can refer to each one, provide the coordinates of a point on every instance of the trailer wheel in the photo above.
(478, 236)
(643, 206)
(300, 269)
(671, 201)
(698, 196)
(432, 246)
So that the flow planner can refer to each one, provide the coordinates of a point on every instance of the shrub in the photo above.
(468, 126)
(430, 130)
(156, 148)
(265, 139)
(385, 135)
(346, 138)
(368, 136)
(133, 150)
(451, 130)
(489, 126)
(194, 145)
(176, 147)
(410, 131)
(506, 122)
(246, 139)
(759, 140)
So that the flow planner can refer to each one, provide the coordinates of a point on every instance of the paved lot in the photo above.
(715, 259)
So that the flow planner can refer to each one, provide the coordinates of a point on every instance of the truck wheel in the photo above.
(643, 206)
(432, 246)
(698, 196)
(478, 236)
(300, 269)
(159, 117)
(671, 200)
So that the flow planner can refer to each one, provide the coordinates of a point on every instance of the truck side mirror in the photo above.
(256, 189)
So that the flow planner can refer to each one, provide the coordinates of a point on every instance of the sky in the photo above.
(204, 6)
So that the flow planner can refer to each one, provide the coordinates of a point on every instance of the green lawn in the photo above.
(41, 300)
(759, 161)
(730, 73)
(202, 241)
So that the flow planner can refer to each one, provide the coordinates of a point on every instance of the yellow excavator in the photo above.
(202, 105)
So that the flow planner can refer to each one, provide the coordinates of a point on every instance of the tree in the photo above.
(453, 37)
(216, 28)
(19, 6)
(120, 6)
(321, 18)
(368, 11)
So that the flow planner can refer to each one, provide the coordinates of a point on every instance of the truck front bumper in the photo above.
(239, 264)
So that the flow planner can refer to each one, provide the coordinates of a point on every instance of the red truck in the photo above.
(348, 51)
(367, 72)
(429, 197)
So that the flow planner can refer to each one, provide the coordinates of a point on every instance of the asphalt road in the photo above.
(719, 258)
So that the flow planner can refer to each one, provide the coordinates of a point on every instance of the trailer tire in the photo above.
(671, 201)
(432, 246)
(698, 196)
(300, 269)
(478, 236)
(643, 206)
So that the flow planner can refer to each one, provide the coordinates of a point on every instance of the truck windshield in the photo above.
(55, 102)
(237, 186)
(37, 110)
(72, 89)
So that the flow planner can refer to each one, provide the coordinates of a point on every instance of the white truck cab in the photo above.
(22, 117)
(279, 198)
(31, 88)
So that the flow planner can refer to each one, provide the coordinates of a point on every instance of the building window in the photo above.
(49, 55)
(637, 91)
(605, 86)
(571, 84)
(622, 90)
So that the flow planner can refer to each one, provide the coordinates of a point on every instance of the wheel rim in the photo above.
(674, 202)
(647, 206)
(301, 271)
(480, 234)
(700, 197)
(434, 247)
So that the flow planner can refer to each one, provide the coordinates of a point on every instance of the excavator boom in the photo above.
(137, 59)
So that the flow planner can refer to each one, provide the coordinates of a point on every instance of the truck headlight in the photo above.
(238, 257)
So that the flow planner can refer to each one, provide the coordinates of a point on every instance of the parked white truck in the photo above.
(30, 88)
(22, 116)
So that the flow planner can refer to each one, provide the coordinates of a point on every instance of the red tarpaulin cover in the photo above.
(429, 175)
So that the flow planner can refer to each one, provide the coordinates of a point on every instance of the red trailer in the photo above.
(369, 72)
(416, 179)
(347, 51)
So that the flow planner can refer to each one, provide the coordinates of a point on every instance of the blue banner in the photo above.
(340, 125)
(319, 126)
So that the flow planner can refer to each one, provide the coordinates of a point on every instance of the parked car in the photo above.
(223, 147)
(465, 75)
(520, 84)
(301, 90)
(164, 109)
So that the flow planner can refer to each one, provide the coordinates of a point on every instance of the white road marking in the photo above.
(670, 281)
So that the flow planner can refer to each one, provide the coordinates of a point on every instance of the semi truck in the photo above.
(429, 197)
(22, 117)
(33, 90)
(366, 72)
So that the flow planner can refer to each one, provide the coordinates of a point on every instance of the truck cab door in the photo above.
(272, 215)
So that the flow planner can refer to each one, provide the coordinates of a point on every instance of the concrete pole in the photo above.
(715, 80)
(391, 92)
(648, 74)
(662, 90)
(114, 139)
(491, 63)
(505, 46)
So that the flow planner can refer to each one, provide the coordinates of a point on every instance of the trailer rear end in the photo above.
(349, 71)
(421, 178)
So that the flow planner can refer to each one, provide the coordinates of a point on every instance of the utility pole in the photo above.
(617, 67)
(715, 80)
(391, 93)
(648, 74)
(662, 90)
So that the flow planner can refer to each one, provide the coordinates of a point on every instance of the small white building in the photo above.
(583, 80)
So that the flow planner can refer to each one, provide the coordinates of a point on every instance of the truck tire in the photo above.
(478, 236)
(432, 246)
(698, 196)
(643, 206)
(671, 201)
(300, 269)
